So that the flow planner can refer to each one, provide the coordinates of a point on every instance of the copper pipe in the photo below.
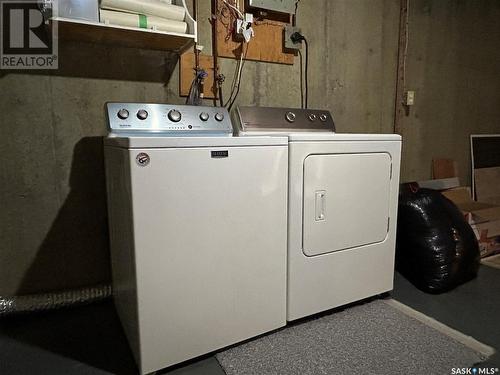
(215, 7)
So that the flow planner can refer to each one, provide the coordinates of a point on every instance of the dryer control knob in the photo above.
(174, 115)
(323, 117)
(142, 114)
(290, 116)
(312, 117)
(123, 113)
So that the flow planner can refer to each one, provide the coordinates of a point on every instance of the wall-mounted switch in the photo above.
(409, 98)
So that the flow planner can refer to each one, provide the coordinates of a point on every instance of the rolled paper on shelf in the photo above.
(141, 21)
(155, 8)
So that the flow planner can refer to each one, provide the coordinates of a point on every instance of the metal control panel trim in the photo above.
(167, 119)
(284, 120)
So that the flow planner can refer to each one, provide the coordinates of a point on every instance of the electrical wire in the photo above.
(239, 83)
(221, 100)
(235, 90)
(306, 73)
(235, 78)
(300, 37)
(295, 13)
(234, 8)
(215, 58)
(405, 54)
(301, 80)
(227, 17)
(235, 12)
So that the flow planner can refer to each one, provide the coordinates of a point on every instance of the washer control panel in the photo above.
(265, 120)
(168, 119)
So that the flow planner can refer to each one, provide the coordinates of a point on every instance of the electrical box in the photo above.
(289, 44)
(284, 6)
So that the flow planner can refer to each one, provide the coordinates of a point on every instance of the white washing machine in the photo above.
(342, 207)
(198, 230)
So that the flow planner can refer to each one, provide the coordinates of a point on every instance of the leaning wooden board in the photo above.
(487, 182)
(267, 44)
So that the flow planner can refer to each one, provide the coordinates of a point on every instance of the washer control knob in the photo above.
(290, 116)
(219, 116)
(142, 114)
(312, 117)
(174, 115)
(323, 117)
(123, 113)
(204, 116)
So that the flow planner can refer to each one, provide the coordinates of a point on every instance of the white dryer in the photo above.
(197, 229)
(342, 207)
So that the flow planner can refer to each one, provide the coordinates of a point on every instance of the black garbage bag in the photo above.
(436, 249)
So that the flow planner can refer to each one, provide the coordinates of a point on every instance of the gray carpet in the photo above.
(372, 338)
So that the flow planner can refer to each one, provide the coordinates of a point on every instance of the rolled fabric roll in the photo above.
(141, 21)
(155, 8)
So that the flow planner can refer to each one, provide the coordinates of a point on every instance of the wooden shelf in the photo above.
(95, 32)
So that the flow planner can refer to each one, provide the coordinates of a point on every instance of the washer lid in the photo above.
(179, 142)
(327, 137)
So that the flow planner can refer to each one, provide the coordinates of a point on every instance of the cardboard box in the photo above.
(440, 184)
(487, 184)
(484, 218)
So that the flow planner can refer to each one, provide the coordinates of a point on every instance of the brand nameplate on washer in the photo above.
(219, 154)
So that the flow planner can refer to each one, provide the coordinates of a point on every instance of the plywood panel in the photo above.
(187, 73)
(267, 45)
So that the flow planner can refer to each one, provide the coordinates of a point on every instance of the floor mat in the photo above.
(379, 337)
(492, 261)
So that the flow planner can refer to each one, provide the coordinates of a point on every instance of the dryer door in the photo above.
(346, 201)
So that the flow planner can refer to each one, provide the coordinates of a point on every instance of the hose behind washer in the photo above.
(54, 300)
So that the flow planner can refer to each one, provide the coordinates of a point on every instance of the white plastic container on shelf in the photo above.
(166, 35)
(79, 9)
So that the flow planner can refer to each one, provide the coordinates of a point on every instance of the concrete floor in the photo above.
(89, 340)
(473, 308)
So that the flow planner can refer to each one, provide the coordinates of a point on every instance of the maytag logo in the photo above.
(27, 42)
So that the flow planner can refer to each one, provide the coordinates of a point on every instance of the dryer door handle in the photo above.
(320, 204)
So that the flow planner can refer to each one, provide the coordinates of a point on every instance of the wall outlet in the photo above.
(244, 29)
(287, 33)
